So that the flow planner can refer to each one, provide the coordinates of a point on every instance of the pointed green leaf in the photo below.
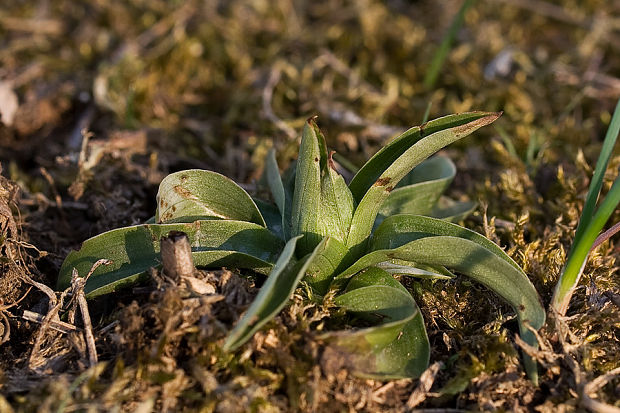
(336, 204)
(273, 295)
(377, 165)
(133, 250)
(307, 195)
(401, 229)
(193, 194)
(422, 143)
(322, 202)
(397, 347)
(288, 181)
(274, 180)
(590, 222)
(418, 192)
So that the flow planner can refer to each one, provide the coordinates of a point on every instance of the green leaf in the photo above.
(413, 270)
(274, 180)
(307, 195)
(273, 295)
(133, 250)
(336, 204)
(599, 173)
(193, 194)
(288, 180)
(590, 223)
(418, 192)
(397, 347)
(452, 211)
(435, 242)
(400, 229)
(385, 170)
(322, 202)
(377, 165)
(272, 217)
(325, 265)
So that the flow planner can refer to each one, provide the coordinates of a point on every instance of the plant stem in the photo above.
(446, 44)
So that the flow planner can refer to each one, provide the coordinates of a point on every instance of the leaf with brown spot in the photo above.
(396, 160)
(195, 194)
(133, 250)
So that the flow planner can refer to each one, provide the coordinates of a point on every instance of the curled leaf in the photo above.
(397, 346)
(195, 194)
(435, 242)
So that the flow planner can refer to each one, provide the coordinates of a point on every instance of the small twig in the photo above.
(542, 356)
(6, 307)
(44, 288)
(88, 328)
(549, 10)
(77, 288)
(600, 381)
(52, 185)
(45, 324)
(109, 326)
(596, 406)
(53, 324)
(605, 235)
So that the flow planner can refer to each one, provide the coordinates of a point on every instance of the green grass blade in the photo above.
(446, 44)
(288, 180)
(397, 346)
(194, 194)
(591, 223)
(440, 134)
(133, 250)
(599, 173)
(427, 112)
(578, 256)
(273, 295)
